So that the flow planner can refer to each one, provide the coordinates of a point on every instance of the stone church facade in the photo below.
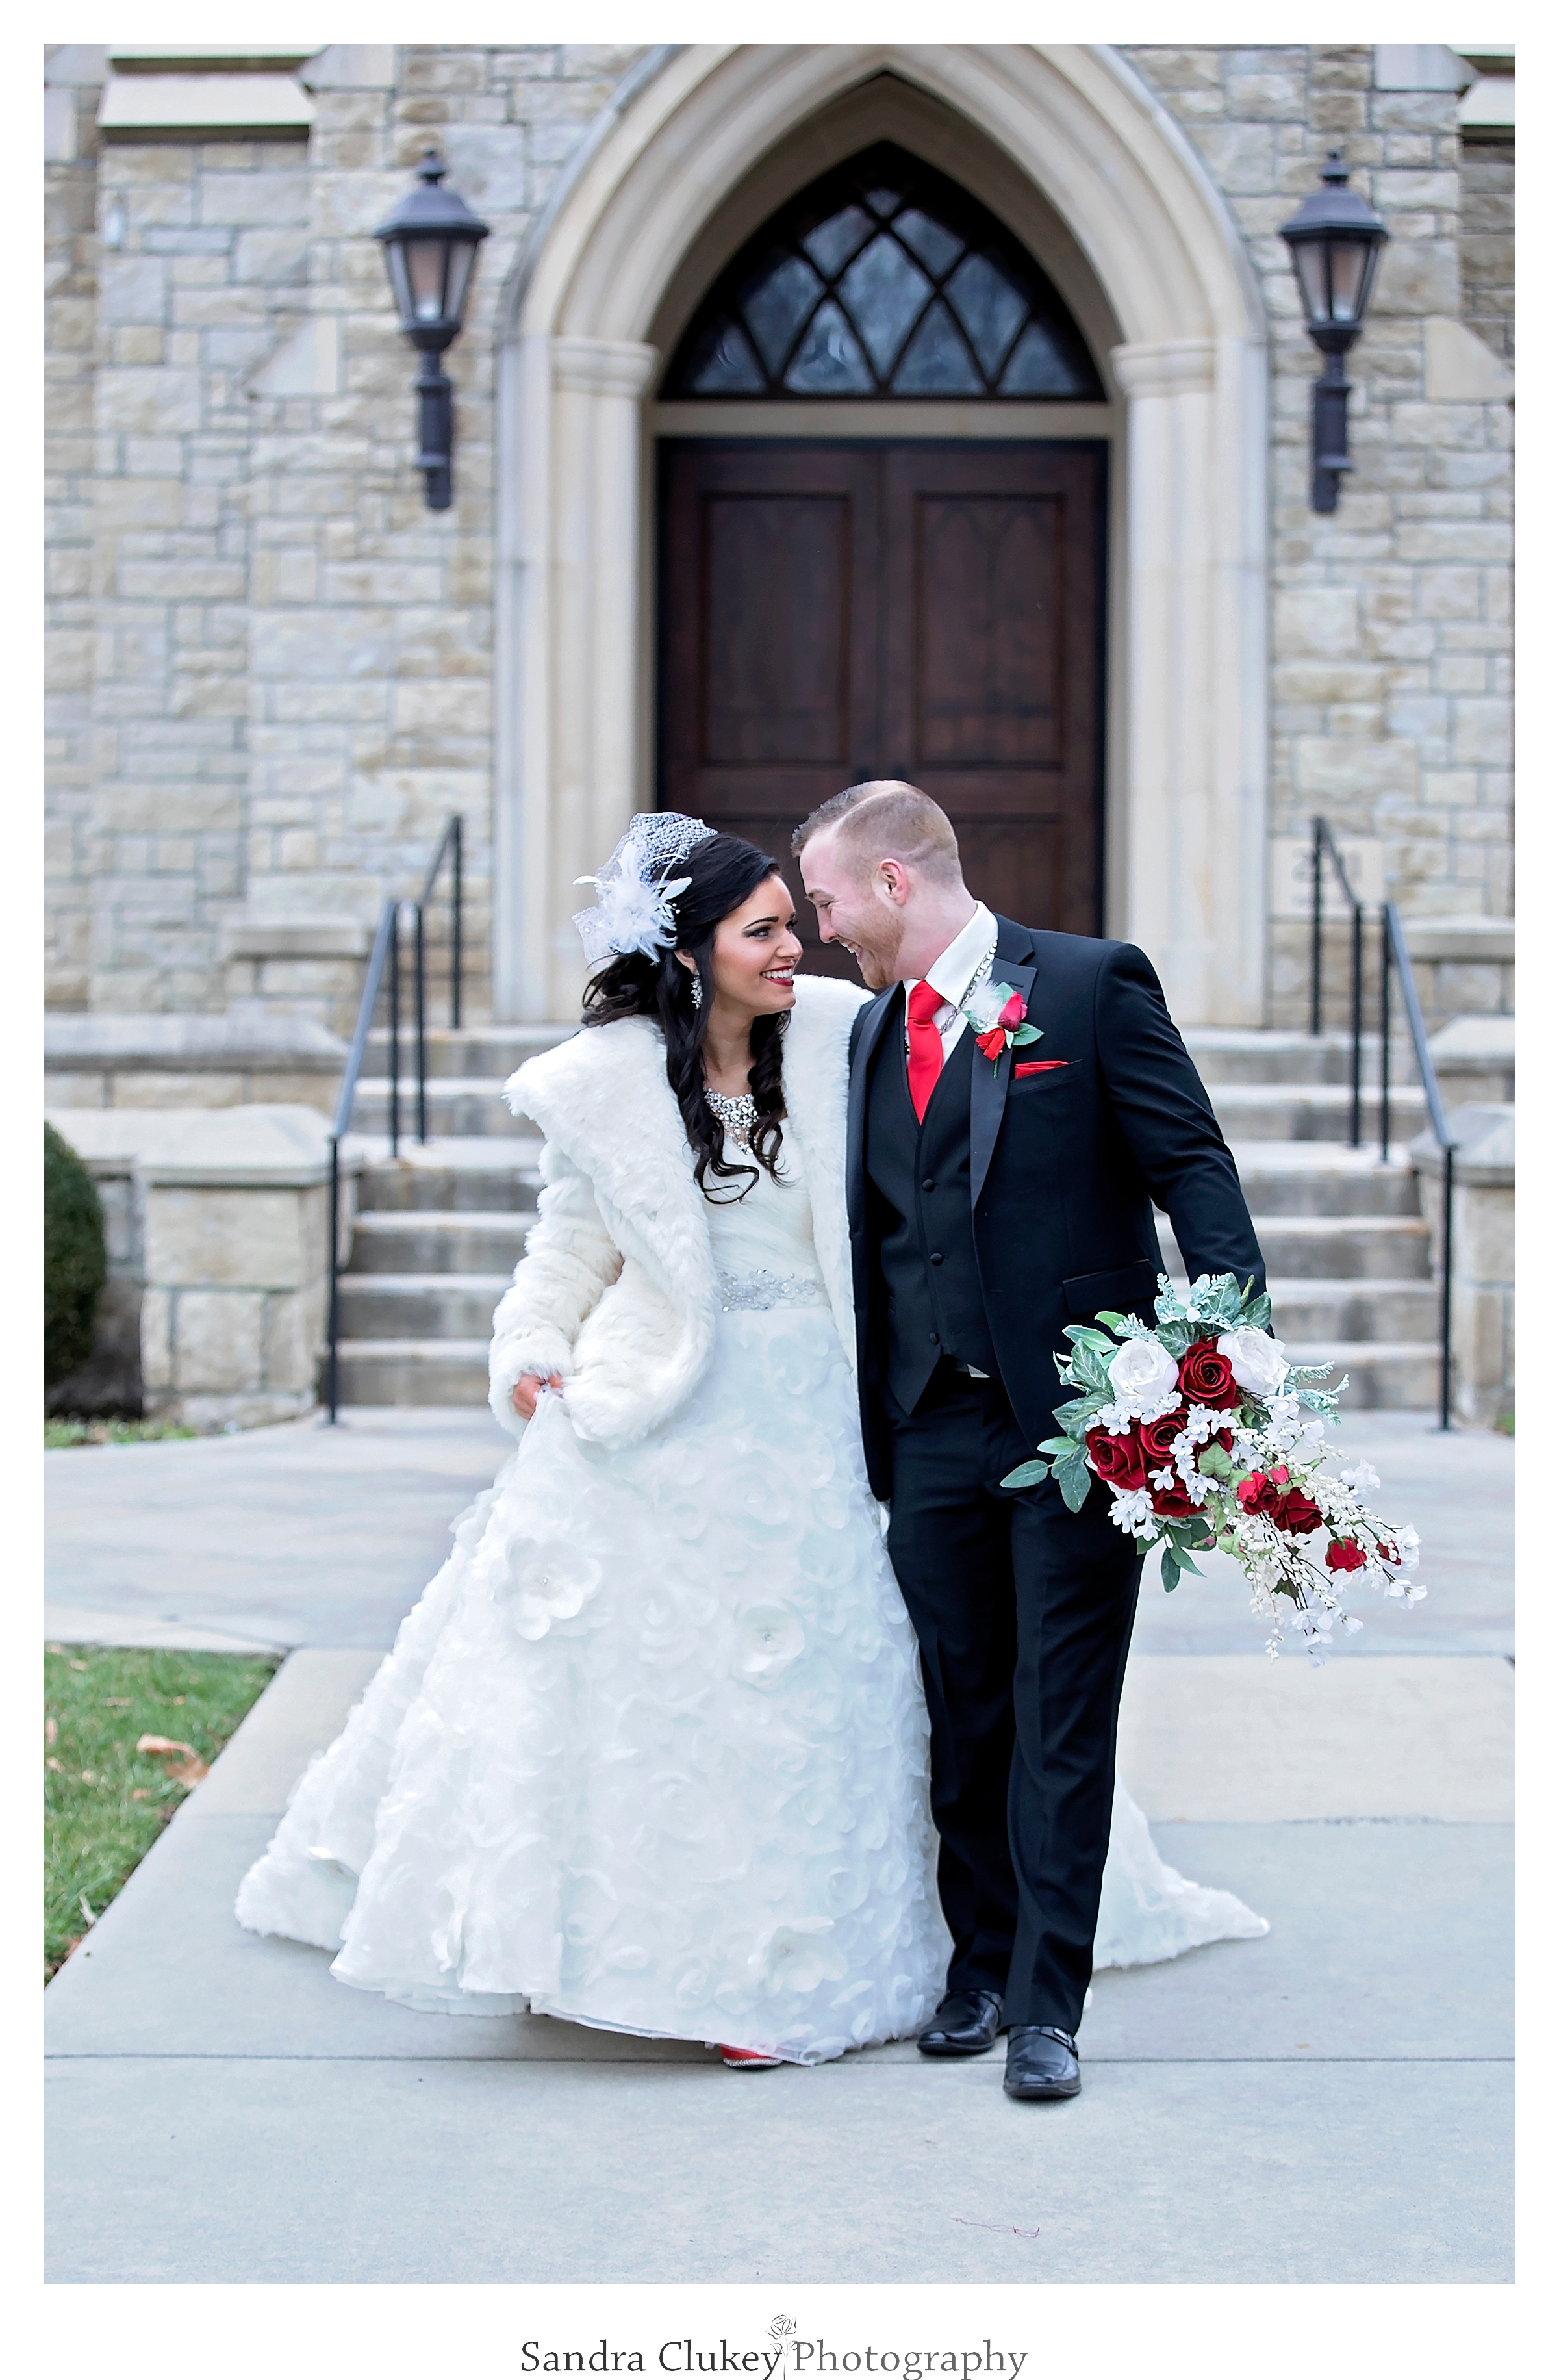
(273, 673)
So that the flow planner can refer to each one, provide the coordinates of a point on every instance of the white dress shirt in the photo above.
(965, 963)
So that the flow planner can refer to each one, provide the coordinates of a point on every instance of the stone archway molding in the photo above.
(1185, 864)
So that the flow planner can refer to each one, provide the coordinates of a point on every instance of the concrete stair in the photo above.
(440, 1227)
(439, 1230)
(1346, 1249)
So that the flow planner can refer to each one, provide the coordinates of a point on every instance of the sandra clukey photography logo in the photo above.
(785, 2355)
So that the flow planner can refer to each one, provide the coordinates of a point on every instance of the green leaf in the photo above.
(1024, 1034)
(1087, 1369)
(1215, 1463)
(1074, 1479)
(1085, 1335)
(1080, 1408)
(1170, 1567)
(1027, 1474)
(1112, 1321)
(1058, 1445)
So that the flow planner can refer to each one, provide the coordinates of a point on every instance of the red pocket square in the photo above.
(1041, 1067)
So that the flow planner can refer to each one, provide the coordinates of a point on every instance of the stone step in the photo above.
(459, 1107)
(414, 1371)
(1402, 1375)
(420, 1239)
(1332, 1248)
(1322, 1177)
(1344, 1248)
(473, 1174)
(1308, 1111)
(407, 1305)
(473, 1049)
(1352, 1312)
(1226, 1053)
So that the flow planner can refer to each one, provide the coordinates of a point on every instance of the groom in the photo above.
(990, 1204)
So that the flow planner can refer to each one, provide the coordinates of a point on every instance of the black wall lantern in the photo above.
(1336, 242)
(430, 245)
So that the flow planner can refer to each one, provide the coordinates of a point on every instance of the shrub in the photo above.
(75, 1258)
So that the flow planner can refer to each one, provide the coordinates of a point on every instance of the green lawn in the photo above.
(104, 1803)
(67, 1430)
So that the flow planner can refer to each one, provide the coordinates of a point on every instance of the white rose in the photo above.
(1257, 1361)
(1142, 1375)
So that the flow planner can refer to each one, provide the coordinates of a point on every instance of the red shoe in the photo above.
(746, 2057)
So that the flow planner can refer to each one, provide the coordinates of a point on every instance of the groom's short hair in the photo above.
(887, 818)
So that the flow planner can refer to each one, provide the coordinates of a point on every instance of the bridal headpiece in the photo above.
(634, 892)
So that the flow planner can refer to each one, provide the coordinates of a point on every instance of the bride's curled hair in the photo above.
(724, 873)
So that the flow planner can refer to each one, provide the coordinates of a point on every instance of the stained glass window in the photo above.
(883, 278)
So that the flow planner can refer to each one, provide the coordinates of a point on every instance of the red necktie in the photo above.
(925, 1046)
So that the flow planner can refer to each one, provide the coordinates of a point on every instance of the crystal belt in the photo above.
(759, 1292)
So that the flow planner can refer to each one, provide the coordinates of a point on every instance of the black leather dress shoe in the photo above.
(1040, 2064)
(966, 2023)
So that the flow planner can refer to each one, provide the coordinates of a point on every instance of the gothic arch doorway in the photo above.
(669, 184)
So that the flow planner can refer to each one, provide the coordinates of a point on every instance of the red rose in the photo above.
(1159, 1437)
(1258, 1494)
(1118, 1460)
(1172, 1503)
(1299, 1513)
(992, 1043)
(1345, 1553)
(1014, 1011)
(1207, 1377)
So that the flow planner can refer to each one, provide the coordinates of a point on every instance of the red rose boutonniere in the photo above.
(999, 1017)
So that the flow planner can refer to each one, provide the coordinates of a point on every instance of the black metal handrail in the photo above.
(1395, 956)
(1323, 847)
(384, 960)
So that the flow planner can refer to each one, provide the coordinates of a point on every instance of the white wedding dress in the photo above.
(651, 1753)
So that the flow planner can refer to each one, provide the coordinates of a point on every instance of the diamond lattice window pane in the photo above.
(828, 361)
(1037, 368)
(934, 244)
(884, 289)
(883, 279)
(936, 362)
(777, 308)
(725, 366)
(991, 308)
(832, 244)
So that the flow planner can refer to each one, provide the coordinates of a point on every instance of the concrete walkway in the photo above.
(221, 2110)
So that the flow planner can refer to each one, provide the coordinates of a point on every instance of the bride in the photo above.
(651, 1753)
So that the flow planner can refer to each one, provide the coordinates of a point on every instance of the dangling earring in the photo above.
(695, 991)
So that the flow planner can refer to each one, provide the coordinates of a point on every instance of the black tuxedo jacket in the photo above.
(1066, 1166)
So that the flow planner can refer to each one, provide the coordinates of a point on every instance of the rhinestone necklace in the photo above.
(738, 1115)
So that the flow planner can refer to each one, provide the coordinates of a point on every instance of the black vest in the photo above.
(921, 1220)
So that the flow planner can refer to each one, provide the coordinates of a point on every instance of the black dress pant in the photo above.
(1023, 1611)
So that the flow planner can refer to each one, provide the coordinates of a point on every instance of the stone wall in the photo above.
(293, 657)
(1391, 618)
(69, 333)
(219, 1278)
(273, 667)
(1488, 247)
(1482, 1257)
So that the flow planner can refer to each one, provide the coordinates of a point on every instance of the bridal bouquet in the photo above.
(1206, 1436)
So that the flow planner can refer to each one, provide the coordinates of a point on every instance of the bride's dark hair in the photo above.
(724, 873)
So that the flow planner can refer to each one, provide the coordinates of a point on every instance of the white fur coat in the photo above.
(617, 1289)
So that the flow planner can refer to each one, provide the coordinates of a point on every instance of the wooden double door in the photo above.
(933, 611)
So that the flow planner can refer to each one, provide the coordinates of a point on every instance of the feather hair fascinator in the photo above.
(633, 892)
